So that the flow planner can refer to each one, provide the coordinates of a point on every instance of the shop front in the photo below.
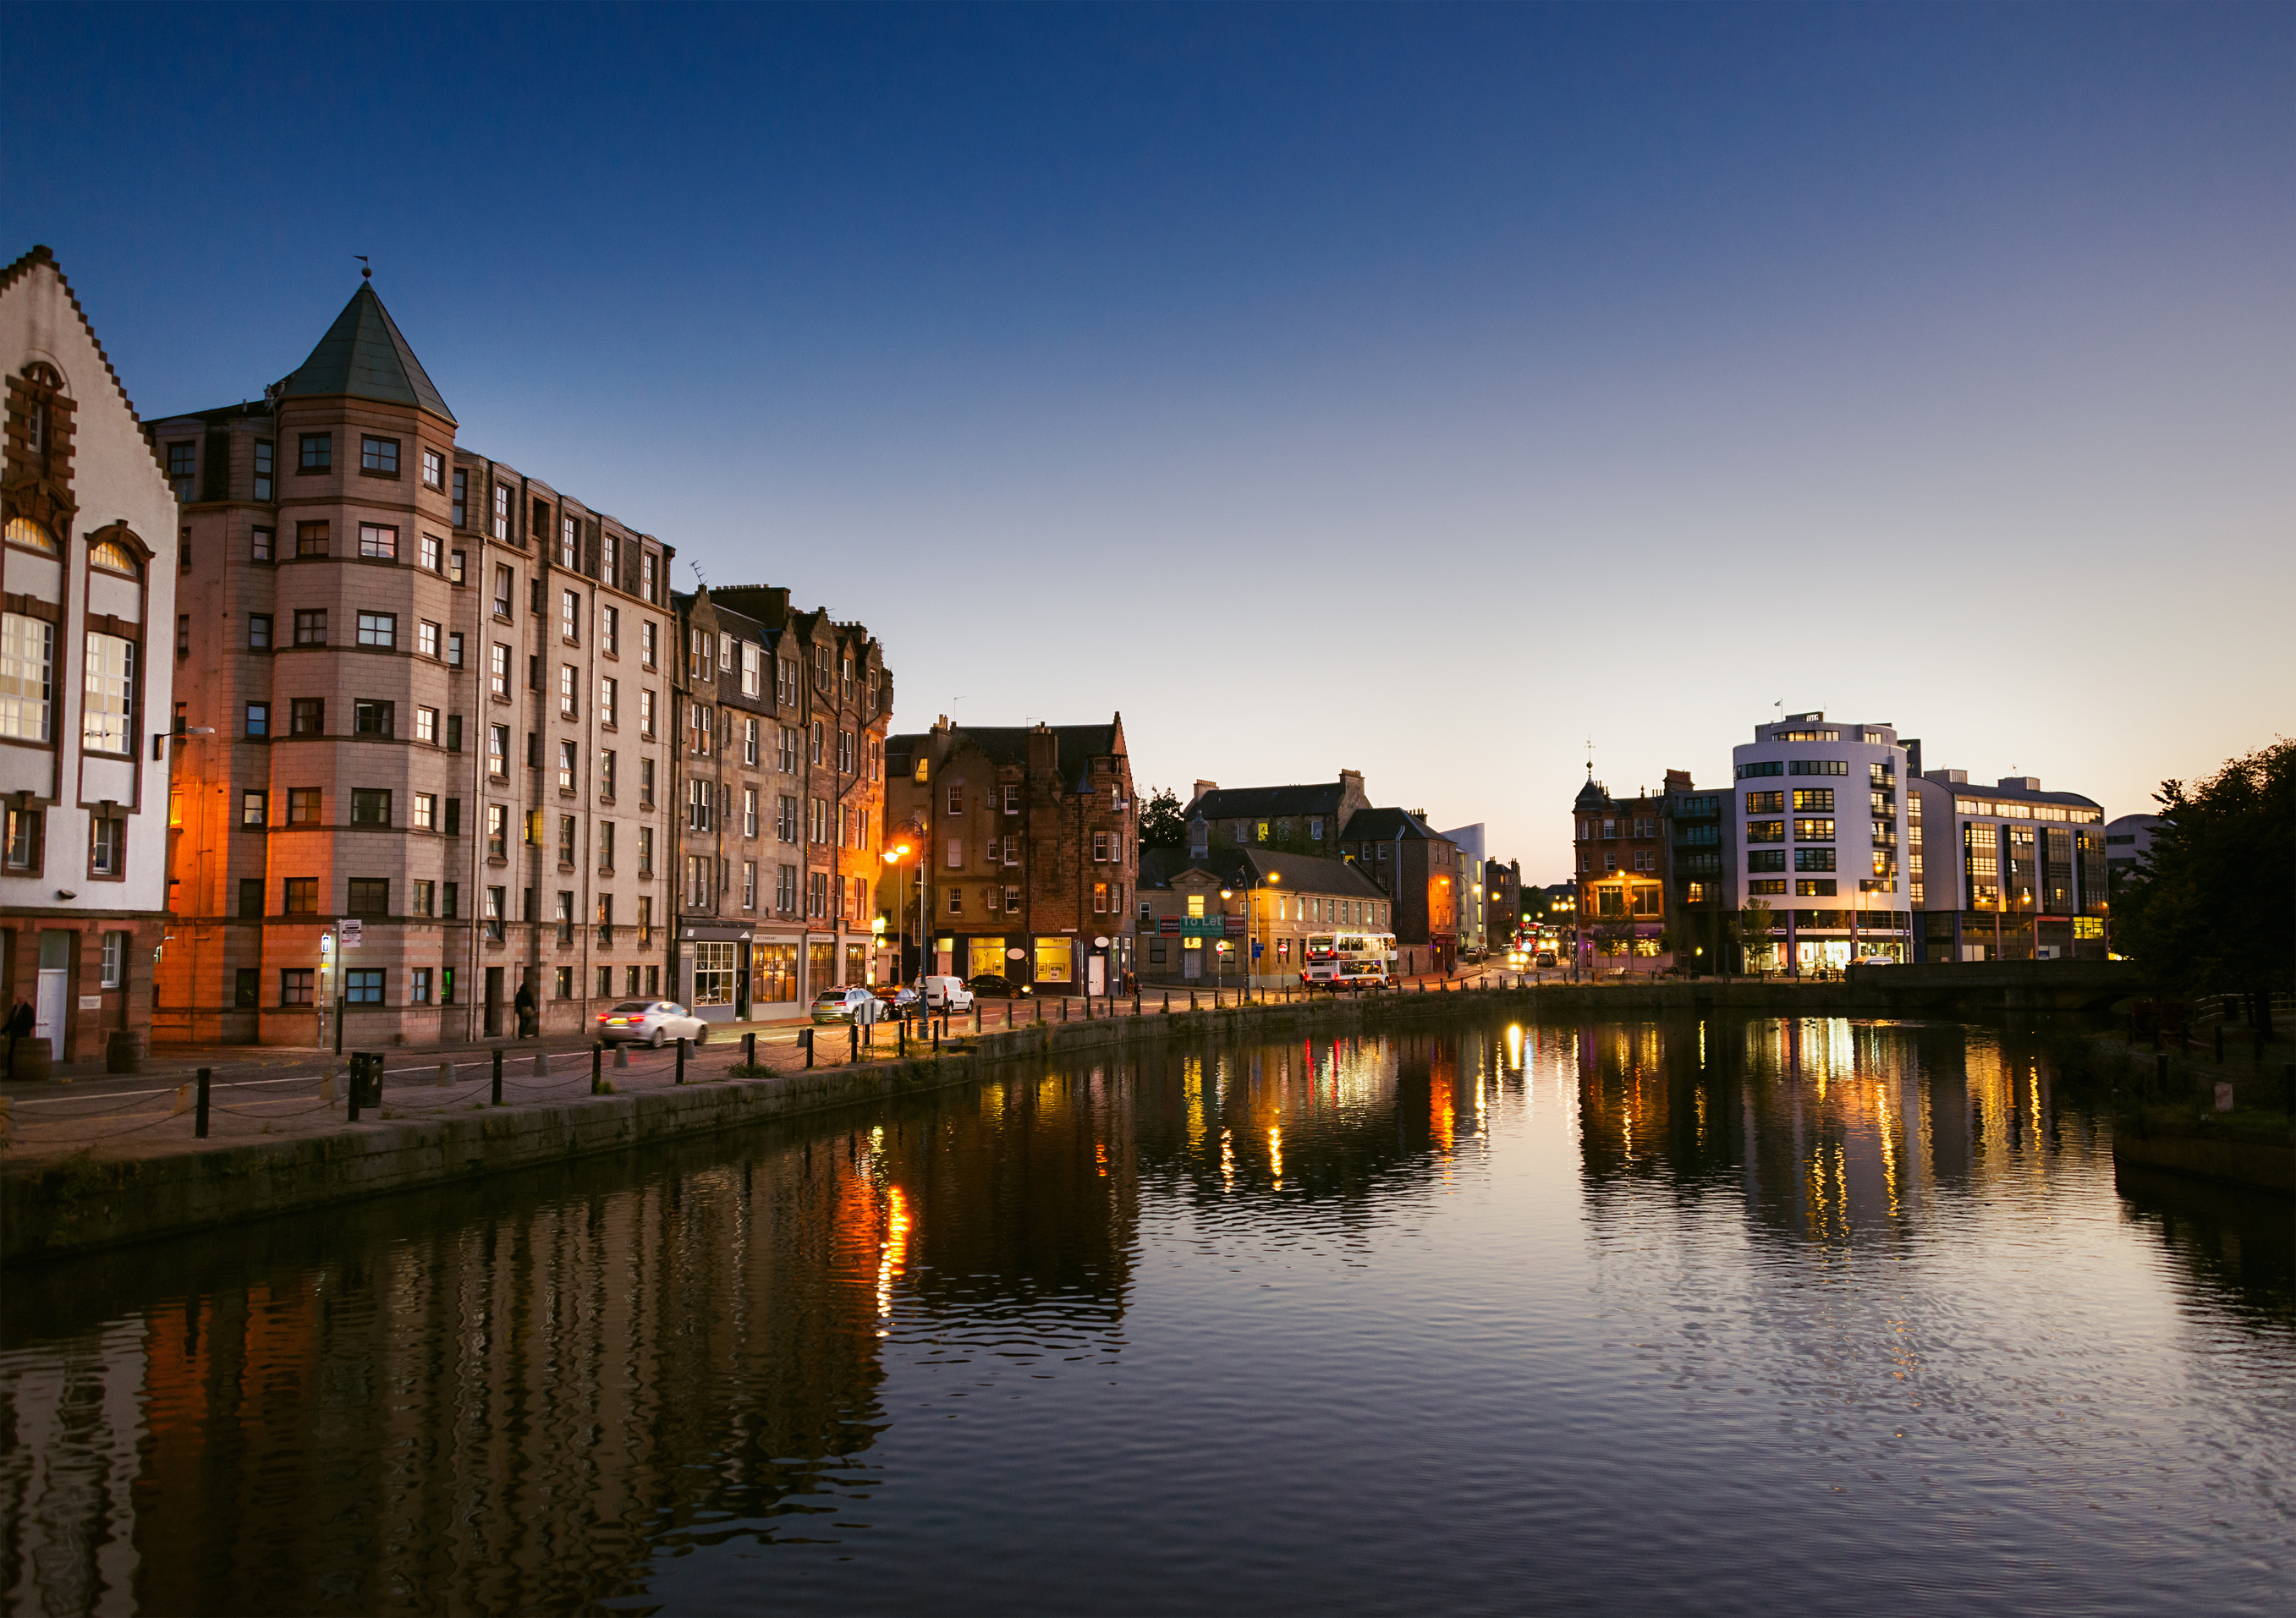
(714, 970)
(773, 976)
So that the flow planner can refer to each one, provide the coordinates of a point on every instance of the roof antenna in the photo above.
(698, 573)
(367, 273)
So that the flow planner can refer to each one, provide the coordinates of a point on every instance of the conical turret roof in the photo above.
(363, 356)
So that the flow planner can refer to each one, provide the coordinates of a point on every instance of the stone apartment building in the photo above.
(1420, 870)
(425, 721)
(1266, 903)
(781, 795)
(1030, 837)
(88, 573)
(1620, 848)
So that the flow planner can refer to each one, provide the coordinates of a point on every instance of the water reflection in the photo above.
(582, 1386)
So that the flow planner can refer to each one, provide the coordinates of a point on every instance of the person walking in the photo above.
(524, 1006)
(19, 1027)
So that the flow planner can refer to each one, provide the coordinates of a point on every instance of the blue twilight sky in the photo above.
(1417, 390)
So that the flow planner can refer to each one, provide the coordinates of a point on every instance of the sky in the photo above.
(1427, 391)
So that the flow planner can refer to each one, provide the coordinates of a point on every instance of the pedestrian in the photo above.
(524, 1005)
(20, 1027)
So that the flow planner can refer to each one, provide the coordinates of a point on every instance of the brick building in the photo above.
(1620, 844)
(781, 795)
(426, 698)
(1030, 836)
(89, 577)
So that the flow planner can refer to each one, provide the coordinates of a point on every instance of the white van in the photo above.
(946, 994)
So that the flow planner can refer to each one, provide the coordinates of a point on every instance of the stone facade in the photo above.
(426, 694)
(1278, 900)
(1030, 837)
(89, 578)
(781, 793)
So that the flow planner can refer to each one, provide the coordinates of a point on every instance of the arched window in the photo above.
(23, 531)
(113, 557)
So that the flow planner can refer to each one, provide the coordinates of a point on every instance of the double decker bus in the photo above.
(1347, 961)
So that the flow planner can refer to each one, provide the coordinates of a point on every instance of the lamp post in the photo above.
(1219, 950)
(893, 857)
(1269, 880)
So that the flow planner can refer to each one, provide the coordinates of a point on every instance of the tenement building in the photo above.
(86, 688)
(425, 728)
(1819, 818)
(1026, 860)
(781, 795)
(2008, 873)
(1620, 848)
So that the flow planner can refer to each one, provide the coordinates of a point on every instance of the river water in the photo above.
(1824, 1316)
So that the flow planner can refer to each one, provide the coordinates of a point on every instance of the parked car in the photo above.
(896, 996)
(852, 1003)
(651, 1022)
(1545, 958)
(946, 994)
(994, 986)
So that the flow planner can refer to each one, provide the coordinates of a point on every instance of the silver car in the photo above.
(651, 1022)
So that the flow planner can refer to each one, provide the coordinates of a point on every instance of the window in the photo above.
(254, 808)
(753, 670)
(785, 817)
(566, 840)
(266, 457)
(25, 841)
(1814, 831)
(371, 718)
(502, 511)
(506, 592)
(498, 670)
(311, 627)
(498, 750)
(1765, 832)
(1765, 803)
(369, 805)
(570, 616)
(379, 455)
(569, 544)
(418, 986)
(181, 457)
(646, 576)
(369, 896)
(1817, 766)
(378, 629)
(1100, 846)
(426, 638)
(108, 705)
(301, 895)
(303, 805)
(434, 554)
(697, 719)
(497, 831)
(645, 853)
(566, 766)
(425, 817)
(609, 631)
(645, 782)
(955, 796)
(748, 885)
(645, 715)
(377, 543)
(646, 654)
(106, 843)
(1774, 859)
(698, 800)
(606, 864)
(453, 826)
(749, 742)
(294, 985)
(845, 752)
(1811, 799)
(606, 773)
(1816, 887)
(311, 539)
(567, 675)
(462, 513)
(317, 453)
(817, 822)
(28, 660)
(726, 647)
(812, 753)
(493, 916)
(785, 888)
(454, 649)
(1813, 859)
(788, 760)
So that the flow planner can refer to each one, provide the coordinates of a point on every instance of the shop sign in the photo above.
(1207, 926)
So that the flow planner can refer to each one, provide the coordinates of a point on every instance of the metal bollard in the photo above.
(852, 1041)
(497, 1095)
(1168, 1002)
(598, 1068)
(2160, 1077)
(1040, 1014)
(1064, 1007)
(976, 1016)
(621, 1053)
(749, 1051)
(805, 1038)
(541, 1066)
(936, 1033)
(681, 1063)
(200, 1117)
(904, 1038)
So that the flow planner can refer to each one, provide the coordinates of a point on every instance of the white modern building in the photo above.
(2128, 844)
(89, 572)
(1819, 813)
(2006, 872)
(1474, 920)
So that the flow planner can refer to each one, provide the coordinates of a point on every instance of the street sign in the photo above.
(350, 931)
(1168, 924)
(1208, 927)
(1258, 949)
(1234, 925)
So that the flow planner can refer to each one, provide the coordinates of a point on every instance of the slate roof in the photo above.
(1240, 867)
(363, 356)
(1385, 825)
(1075, 747)
(1254, 802)
(1592, 796)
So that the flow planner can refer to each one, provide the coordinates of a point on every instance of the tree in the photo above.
(1161, 825)
(1751, 927)
(2216, 914)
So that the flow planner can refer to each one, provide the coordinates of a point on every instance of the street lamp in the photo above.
(1219, 950)
(893, 857)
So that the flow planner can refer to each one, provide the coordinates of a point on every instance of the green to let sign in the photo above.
(1202, 927)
